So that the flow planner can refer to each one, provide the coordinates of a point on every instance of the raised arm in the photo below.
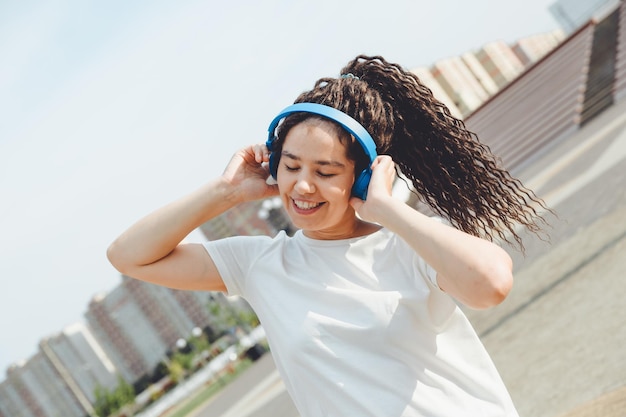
(475, 271)
(151, 249)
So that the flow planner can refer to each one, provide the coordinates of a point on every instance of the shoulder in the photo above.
(246, 244)
(237, 256)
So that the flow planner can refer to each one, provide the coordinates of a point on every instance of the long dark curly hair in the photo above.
(450, 169)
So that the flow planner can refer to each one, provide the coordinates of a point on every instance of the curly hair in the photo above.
(450, 169)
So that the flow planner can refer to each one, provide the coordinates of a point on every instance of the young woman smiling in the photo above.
(360, 305)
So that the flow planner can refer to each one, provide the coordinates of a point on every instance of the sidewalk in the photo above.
(263, 393)
(558, 340)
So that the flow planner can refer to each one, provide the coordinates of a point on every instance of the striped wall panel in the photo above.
(620, 64)
(539, 107)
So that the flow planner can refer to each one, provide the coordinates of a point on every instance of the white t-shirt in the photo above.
(358, 327)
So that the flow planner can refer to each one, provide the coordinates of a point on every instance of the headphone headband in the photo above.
(345, 121)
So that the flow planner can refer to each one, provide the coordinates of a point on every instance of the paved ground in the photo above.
(257, 392)
(559, 340)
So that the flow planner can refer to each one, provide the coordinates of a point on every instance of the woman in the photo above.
(360, 305)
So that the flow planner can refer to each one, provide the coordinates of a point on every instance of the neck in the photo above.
(357, 228)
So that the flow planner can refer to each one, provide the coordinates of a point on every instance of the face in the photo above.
(315, 179)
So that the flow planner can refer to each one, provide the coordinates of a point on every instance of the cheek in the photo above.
(341, 190)
(348, 183)
(284, 181)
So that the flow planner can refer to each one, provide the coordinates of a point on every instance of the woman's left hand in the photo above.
(379, 189)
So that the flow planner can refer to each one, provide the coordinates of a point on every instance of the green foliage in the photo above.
(185, 360)
(229, 317)
(198, 344)
(249, 319)
(176, 370)
(191, 404)
(108, 402)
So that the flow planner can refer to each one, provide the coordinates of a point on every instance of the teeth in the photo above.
(305, 205)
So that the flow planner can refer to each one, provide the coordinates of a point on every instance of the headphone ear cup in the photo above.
(273, 164)
(359, 189)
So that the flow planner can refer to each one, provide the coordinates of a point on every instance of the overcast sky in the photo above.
(111, 109)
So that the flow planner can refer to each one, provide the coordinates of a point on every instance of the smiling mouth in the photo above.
(306, 205)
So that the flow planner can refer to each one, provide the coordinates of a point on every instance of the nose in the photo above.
(304, 184)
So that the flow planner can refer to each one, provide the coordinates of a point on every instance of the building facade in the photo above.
(80, 362)
(137, 323)
(264, 217)
(572, 14)
(463, 83)
(35, 389)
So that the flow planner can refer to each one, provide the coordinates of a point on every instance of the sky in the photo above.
(109, 110)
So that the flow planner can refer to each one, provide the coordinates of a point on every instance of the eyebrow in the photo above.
(318, 162)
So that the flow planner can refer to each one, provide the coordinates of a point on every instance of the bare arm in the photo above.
(150, 250)
(475, 271)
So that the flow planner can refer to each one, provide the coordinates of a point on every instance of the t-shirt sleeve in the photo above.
(424, 270)
(233, 257)
(421, 270)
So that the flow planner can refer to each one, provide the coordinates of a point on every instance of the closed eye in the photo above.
(321, 174)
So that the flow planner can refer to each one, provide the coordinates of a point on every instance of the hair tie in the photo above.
(349, 75)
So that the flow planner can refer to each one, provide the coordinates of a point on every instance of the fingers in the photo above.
(383, 175)
(261, 153)
(383, 160)
(385, 165)
(252, 157)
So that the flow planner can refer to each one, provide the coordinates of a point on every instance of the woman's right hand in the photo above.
(247, 172)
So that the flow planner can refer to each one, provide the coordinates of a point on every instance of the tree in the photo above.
(176, 371)
(108, 402)
(231, 316)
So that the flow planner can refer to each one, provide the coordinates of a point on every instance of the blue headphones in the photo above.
(361, 182)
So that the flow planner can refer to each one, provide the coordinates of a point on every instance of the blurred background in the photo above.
(109, 111)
